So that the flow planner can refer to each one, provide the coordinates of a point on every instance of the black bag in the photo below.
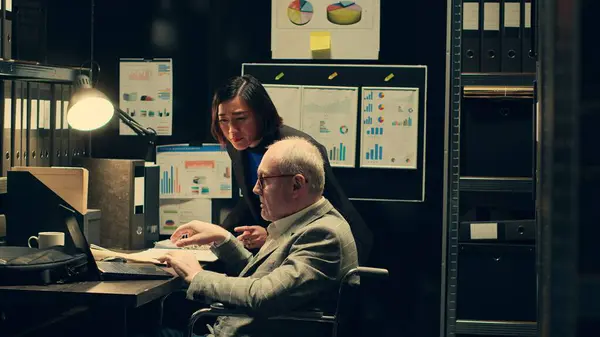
(26, 266)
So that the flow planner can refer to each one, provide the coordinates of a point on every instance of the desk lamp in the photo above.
(90, 109)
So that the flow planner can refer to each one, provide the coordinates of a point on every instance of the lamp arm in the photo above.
(133, 124)
(148, 133)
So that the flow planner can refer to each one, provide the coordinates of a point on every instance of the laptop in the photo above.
(108, 271)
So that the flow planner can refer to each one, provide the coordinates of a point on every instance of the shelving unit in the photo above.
(16, 70)
(495, 328)
(30, 80)
(481, 86)
(498, 79)
(496, 184)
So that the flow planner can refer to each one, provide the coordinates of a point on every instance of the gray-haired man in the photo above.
(308, 250)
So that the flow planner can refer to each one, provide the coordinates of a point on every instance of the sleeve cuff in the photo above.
(219, 244)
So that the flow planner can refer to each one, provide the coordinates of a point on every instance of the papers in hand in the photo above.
(167, 244)
(150, 255)
(202, 255)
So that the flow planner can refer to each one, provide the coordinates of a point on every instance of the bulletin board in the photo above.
(376, 147)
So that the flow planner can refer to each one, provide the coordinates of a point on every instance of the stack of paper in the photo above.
(167, 244)
(150, 255)
(202, 255)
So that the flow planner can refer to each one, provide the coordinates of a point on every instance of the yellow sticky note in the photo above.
(320, 41)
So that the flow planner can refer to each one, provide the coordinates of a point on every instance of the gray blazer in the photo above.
(299, 270)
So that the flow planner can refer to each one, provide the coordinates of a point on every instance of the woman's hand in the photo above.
(252, 236)
(198, 233)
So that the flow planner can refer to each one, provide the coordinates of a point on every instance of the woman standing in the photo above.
(245, 120)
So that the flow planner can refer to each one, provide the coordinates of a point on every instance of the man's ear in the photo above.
(298, 181)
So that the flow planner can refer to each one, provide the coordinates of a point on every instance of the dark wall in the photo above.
(209, 39)
(56, 32)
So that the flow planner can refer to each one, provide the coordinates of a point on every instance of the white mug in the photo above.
(48, 239)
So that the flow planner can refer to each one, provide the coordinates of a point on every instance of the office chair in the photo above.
(348, 295)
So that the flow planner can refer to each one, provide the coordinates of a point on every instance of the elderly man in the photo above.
(309, 248)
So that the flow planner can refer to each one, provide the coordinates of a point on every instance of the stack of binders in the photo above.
(497, 36)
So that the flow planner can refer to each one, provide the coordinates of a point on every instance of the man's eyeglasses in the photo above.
(261, 179)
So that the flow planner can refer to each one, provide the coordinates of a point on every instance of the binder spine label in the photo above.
(512, 15)
(491, 16)
(527, 15)
(470, 16)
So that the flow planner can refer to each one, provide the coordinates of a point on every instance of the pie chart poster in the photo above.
(353, 27)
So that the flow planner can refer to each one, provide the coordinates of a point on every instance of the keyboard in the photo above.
(130, 269)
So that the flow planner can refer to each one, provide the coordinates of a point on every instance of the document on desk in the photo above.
(151, 255)
(202, 255)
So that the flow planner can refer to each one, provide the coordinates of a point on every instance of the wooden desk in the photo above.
(111, 299)
(123, 293)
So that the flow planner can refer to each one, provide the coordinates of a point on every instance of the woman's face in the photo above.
(238, 123)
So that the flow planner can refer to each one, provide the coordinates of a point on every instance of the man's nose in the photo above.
(256, 188)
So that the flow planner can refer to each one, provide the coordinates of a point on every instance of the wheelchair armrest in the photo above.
(370, 272)
(375, 272)
(222, 310)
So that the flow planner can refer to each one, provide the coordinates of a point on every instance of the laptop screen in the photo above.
(80, 241)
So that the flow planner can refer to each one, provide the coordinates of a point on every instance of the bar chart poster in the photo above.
(194, 172)
(329, 115)
(389, 127)
(146, 94)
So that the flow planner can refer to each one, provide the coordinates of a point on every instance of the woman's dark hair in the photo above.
(248, 88)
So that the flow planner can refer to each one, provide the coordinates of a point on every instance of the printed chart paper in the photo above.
(146, 94)
(341, 29)
(329, 115)
(194, 172)
(287, 100)
(390, 119)
(174, 213)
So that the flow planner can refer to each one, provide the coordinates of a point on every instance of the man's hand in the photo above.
(183, 262)
(198, 233)
(252, 236)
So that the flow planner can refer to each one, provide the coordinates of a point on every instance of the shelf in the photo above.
(589, 296)
(498, 79)
(496, 328)
(496, 184)
(36, 72)
(512, 92)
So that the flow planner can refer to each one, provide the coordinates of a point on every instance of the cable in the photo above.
(92, 41)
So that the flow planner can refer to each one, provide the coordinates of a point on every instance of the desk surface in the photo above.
(124, 293)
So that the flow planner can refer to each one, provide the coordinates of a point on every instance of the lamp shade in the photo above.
(88, 108)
